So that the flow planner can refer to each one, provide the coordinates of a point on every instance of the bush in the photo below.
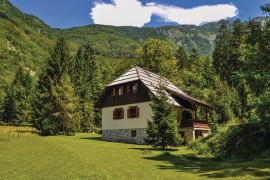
(199, 147)
(245, 140)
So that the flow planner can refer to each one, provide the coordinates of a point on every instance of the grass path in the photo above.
(85, 156)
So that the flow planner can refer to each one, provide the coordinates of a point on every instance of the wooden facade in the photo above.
(110, 99)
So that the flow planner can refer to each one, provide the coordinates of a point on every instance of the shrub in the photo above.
(199, 147)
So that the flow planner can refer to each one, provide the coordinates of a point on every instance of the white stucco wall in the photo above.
(127, 123)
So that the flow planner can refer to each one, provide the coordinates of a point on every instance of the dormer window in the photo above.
(118, 91)
(132, 88)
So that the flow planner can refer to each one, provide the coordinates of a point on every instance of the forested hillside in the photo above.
(51, 78)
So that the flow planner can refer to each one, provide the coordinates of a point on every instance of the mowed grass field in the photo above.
(86, 156)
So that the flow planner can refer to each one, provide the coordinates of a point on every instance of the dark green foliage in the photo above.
(221, 52)
(17, 106)
(157, 56)
(66, 107)
(56, 103)
(199, 147)
(266, 8)
(162, 130)
(247, 75)
(182, 58)
(87, 81)
(244, 140)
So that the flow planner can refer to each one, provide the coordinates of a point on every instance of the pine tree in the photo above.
(221, 54)
(18, 100)
(55, 106)
(194, 55)
(66, 107)
(182, 58)
(87, 79)
(236, 60)
(162, 129)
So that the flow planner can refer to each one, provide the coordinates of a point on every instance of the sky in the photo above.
(140, 13)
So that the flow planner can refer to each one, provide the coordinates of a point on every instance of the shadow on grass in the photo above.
(92, 138)
(211, 168)
(152, 149)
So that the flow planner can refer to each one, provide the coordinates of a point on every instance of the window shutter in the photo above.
(128, 88)
(122, 90)
(137, 112)
(114, 91)
(122, 114)
(114, 115)
(128, 113)
(136, 87)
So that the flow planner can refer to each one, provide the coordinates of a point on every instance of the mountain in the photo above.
(26, 40)
(121, 41)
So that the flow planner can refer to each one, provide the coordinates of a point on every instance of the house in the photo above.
(125, 105)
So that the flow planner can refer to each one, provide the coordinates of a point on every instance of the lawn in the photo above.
(86, 156)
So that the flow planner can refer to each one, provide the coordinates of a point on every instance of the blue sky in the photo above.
(72, 13)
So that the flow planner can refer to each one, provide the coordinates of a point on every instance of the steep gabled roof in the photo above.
(152, 82)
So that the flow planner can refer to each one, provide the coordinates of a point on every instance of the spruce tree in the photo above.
(66, 107)
(182, 58)
(56, 107)
(162, 129)
(221, 54)
(87, 79)
(18, 100)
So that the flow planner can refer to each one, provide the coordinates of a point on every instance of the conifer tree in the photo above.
(18, 100)
(237, 45)
(55, 107)
(87, 79)
(194, 55)
(66, 106)
(221, 54)
(162, 130)
(182, 58)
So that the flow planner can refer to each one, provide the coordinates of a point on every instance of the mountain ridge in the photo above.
(26, 40)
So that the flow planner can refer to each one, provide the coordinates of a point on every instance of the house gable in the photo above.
(110, 99)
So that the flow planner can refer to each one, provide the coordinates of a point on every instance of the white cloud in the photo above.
(134, 13)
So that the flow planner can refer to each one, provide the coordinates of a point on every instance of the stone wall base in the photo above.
(124, 135)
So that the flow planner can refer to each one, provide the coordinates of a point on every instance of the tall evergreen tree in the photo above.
(55, 105)
(182, 58)
(87, 79)
(237, 49)
(194, 55)
(162, 130)
(66, 107)
(18, 100)
(221, 54)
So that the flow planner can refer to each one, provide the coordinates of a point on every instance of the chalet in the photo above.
(125, 105)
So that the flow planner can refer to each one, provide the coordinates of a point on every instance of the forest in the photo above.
(53, 81)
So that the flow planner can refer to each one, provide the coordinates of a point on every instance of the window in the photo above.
(186, 115)
(133, 112)
(132, 88)
(118, 91)
(133, 133)
(118, 113)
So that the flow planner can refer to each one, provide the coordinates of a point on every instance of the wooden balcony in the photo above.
(194, 123)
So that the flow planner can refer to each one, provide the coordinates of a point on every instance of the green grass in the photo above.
(85, 156)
